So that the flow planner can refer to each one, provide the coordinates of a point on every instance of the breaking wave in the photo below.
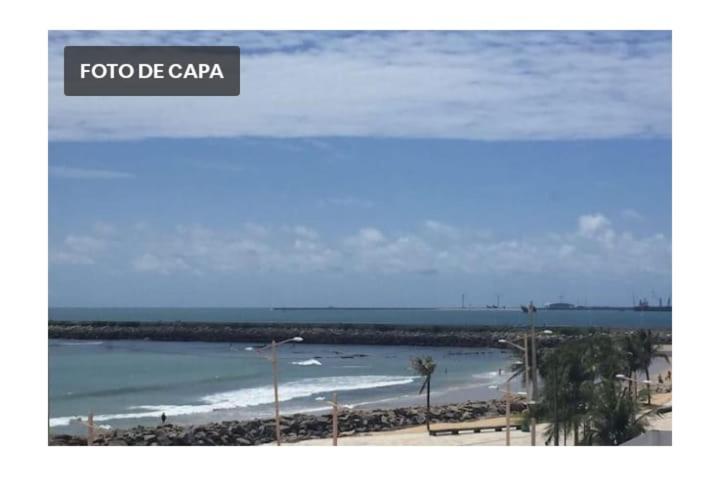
(251, 397)
(307, 362)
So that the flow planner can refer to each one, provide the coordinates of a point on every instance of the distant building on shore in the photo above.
(559, 306)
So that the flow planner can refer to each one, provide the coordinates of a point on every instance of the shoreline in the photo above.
(295, 427)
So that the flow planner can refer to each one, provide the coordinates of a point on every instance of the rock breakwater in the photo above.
(298, 427)
(368, 334)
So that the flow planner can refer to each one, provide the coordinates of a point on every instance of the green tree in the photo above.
(552, 406)
(649, 349)
(568, 378)
(570, 373)
(613, 416)
(632, 349)
(425, 367)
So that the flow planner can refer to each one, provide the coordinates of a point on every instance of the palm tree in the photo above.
(632, 348)
(605, 356)
(579, 380)
(425, 367)
(613, 416)
(649, 349)
(569, 373)
(553, 394)
(581, 394)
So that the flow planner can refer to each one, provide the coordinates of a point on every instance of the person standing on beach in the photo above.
(163, 418)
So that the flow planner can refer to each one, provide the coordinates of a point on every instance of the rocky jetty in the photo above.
(298, 427)
(368, 334)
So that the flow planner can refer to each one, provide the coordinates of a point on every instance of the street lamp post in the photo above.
(90, 424)
(525, 347)
(507, 413)
(533, 391)
(518, 347)
(335, 419)
(335, 410)
(273, 359)
(524, 350)
(275, 390)
(508, 399)
(532, 368)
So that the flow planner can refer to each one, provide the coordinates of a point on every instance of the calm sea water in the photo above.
(612, 319)
(125, 383)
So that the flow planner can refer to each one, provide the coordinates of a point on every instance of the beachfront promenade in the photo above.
(418, 436)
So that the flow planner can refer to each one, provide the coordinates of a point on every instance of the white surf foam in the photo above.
(252, 397)
(307, 362)
(488, 376)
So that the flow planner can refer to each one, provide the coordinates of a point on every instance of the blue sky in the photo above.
(371, 169)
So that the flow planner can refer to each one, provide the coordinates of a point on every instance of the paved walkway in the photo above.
(418, 436)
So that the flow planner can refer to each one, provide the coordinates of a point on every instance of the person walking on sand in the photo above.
(163, 418)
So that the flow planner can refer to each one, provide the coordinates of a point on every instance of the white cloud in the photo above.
(68, 257)
(631, 214)
(471, 85)
(104, 228)
(366, 237)
(593, 224)
(87, 174)
(163, 265)
(78, 249)
(441, 228)
(305, 232)
(593, 248)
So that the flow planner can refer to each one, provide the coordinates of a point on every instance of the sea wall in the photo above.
(367, 334)
(297, 427)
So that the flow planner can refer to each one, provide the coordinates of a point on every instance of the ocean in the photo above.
(125, 383)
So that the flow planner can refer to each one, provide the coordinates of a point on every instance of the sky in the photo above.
(370, 169)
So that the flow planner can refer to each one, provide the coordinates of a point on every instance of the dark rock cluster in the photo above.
(297, 427)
